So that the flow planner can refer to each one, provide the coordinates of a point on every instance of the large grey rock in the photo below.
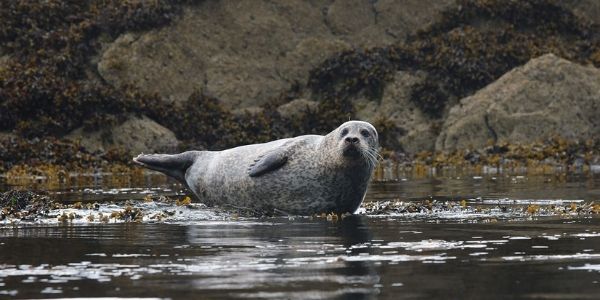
(396, 106)
(239, 51)
(549, 96)
(247, 52)
(136, 134)
(297, 107)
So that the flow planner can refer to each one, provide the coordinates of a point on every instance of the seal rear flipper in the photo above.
(174, 165)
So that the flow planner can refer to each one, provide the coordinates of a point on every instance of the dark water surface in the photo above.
(206, 255)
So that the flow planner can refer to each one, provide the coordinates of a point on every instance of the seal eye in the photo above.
(365, 133)
(344, 131)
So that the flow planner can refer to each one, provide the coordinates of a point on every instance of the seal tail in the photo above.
(174, 165)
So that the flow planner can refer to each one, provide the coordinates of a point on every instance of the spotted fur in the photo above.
(319, 173)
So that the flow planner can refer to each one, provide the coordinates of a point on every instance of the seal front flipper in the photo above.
(174, 165)
(274, 159)
(271, 161)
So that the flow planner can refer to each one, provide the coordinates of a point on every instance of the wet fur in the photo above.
(315, 176)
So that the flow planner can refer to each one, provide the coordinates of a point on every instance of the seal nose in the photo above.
(352, 140)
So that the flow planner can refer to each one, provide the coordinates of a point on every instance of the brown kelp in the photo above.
(49, 85)
(469, 46)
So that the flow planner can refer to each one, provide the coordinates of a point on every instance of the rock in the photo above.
(137, 134)
(6, 136)
(296, 107)
(155, 70)
(309, 53)
(234, 50)
(252, 110)
(587, 9)
(247, 52)
(367, 23)
(3, 61)
(395, 105)
(398, 21)
(350, 16)
(549, 96)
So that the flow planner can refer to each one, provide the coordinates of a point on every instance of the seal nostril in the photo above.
(351, 140)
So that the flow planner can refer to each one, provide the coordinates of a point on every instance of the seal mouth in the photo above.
(351, 151)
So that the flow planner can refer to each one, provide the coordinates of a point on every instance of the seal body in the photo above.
(301, 175)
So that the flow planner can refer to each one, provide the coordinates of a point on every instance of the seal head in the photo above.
(358, 142)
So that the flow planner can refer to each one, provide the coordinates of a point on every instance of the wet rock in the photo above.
(549, 96)
(136, 134)
(296, 107)
(419, 131)
(246, 52)
(473, 157)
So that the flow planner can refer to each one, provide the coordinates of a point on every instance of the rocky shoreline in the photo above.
(464, 83)
(25, 207)
(60, 162)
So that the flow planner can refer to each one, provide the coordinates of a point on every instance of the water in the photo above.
(202, 253)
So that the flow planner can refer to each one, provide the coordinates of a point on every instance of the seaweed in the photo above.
(34, 152)
(476, 43)
(472, 44)
(546, 153)
(48, 85)
(352, 72)
(389, 133)
(23, 204)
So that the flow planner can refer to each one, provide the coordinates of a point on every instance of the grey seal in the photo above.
(303, 175)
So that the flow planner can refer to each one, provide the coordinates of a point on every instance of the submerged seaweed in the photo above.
(23, 205)
(467, 209)
(27, 207)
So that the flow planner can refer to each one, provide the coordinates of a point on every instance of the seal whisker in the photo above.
(374, 157)
(364, 156)
(371, 159)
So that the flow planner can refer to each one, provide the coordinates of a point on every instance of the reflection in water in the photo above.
(358, 257)
(200, 253)
(267, 260)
